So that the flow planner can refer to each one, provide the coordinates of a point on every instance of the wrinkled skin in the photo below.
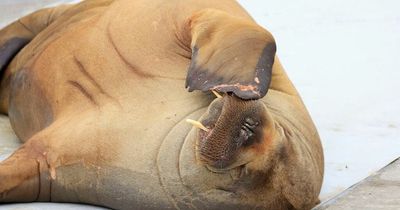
(96, 91)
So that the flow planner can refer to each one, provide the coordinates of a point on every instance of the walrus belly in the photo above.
(166, 175)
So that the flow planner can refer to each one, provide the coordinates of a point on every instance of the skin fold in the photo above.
(96, 91)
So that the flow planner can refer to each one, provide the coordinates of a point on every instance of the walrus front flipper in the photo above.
(229, 54)
(19, 33)
(20, 178)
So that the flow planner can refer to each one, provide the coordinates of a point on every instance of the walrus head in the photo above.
(235, 56)
(236, 132)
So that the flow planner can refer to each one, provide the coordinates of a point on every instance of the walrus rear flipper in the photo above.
(20, 178)
(229, 54)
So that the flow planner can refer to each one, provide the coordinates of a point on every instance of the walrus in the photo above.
(100, 92)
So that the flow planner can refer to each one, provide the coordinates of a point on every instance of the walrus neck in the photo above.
(267, 154)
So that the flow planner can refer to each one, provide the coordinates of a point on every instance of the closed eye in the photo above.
(250, 123)
(247, 130)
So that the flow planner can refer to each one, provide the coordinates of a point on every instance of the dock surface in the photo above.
(379, 191)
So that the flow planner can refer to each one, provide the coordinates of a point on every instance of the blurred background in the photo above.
(344, 58)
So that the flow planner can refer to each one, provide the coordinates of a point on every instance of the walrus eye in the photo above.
(247, 130)
(250, 123)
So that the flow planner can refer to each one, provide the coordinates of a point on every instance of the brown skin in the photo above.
(98, 98)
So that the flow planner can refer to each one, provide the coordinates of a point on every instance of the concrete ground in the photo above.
(379, 191)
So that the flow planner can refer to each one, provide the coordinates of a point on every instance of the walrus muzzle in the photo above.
(234, 127)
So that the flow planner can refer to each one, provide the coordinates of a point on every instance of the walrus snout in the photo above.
(234, 126)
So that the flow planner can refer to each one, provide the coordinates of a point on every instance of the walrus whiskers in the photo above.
(197, 124)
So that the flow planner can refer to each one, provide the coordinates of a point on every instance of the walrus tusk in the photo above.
(216, 94)
(197, 124)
